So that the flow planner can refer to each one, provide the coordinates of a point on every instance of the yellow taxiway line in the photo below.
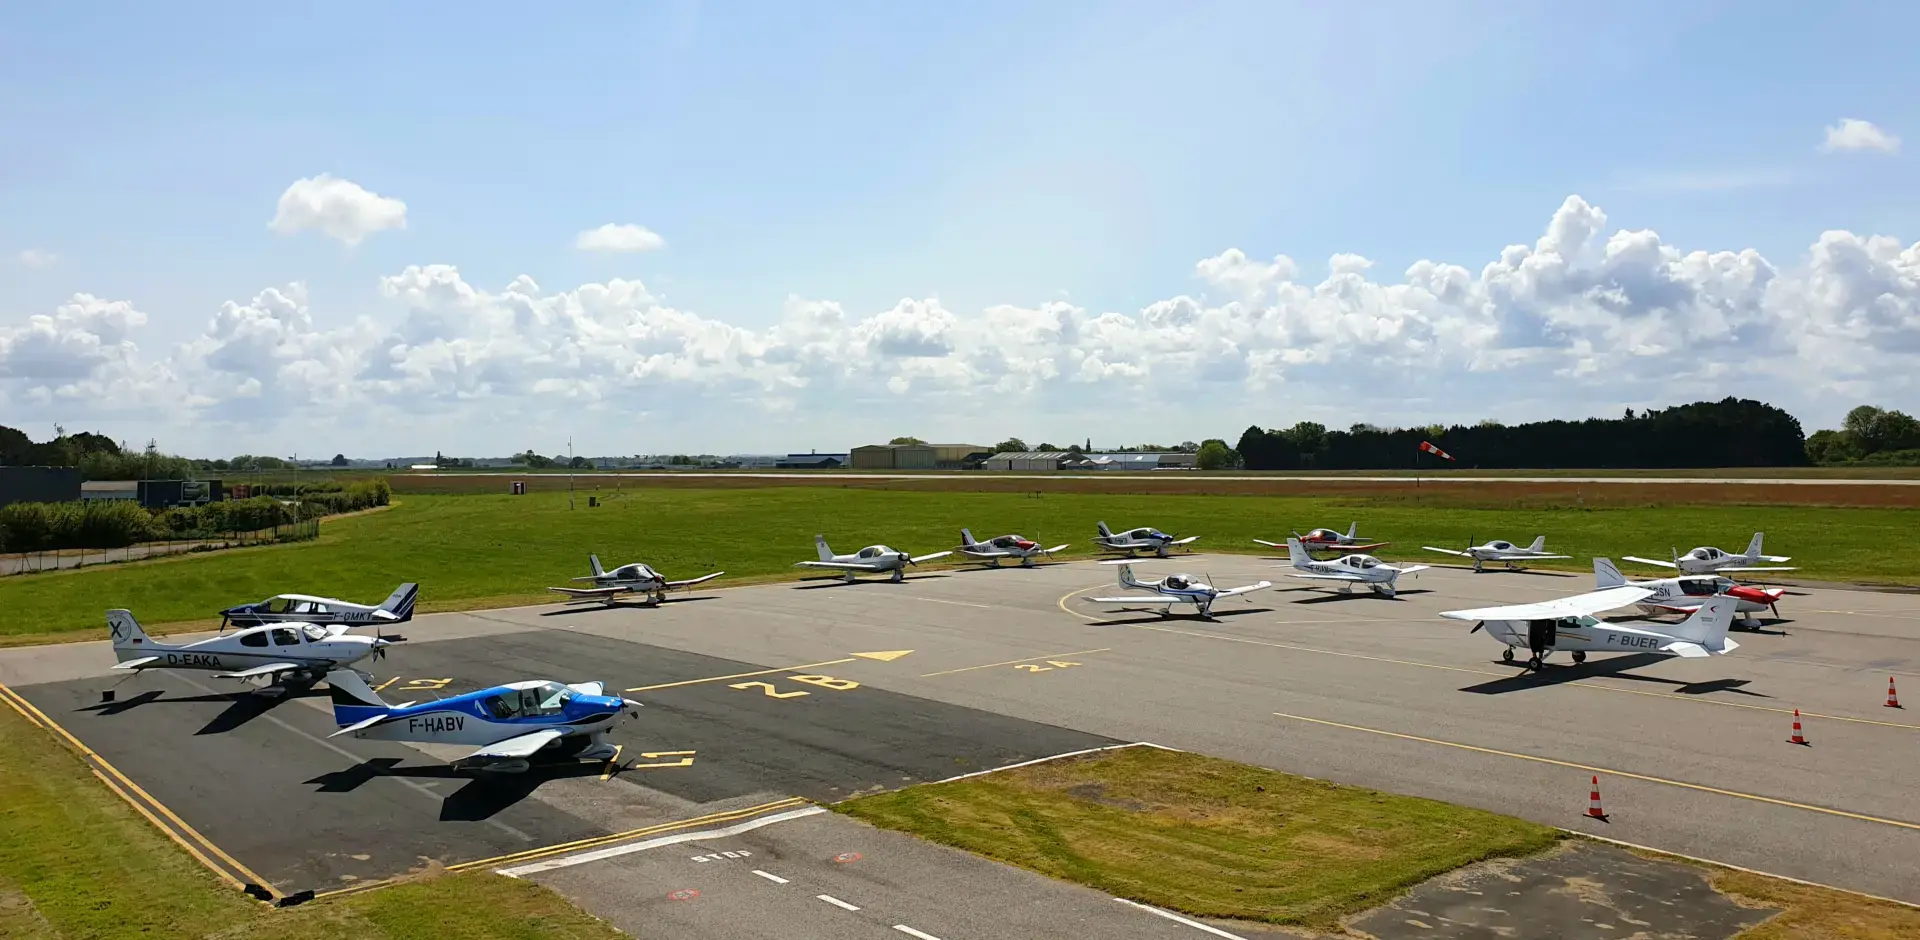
(739, 675)
(1589, 768)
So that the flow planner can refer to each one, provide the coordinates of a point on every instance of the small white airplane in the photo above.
(874, 559)
(510, 724)
(1568, 624)
(1686, 593)
(1348, 570)
(306, 608)
(1501, 550)
(1174, 589)
(1143, 539)
(1005, 546)
(299, 654)
(1330, 540)
(1706, 560)
(634, 578)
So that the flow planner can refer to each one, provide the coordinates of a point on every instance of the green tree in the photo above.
(339, 460)
(1011, 445)
(1214, 454)
(906, 440)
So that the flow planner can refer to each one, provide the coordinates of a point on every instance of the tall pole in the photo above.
(569, 471)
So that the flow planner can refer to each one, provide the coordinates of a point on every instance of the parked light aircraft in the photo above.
(1686, 593)
(282, 653)
(1174, 589)
(1706, 560)
(1005, 546)
(1501, 550)
(305, 608)
(1143, 539)
(1568, 624)
(874, 559)
(1348, 570)
(634, 578)
(509, 724)
(1328, 540)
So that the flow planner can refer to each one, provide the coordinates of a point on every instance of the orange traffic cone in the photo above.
(1893, 698)
(1593, 802)
(1797, 738)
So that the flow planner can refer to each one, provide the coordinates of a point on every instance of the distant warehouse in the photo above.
(1029, 460)
(918, 456)
(39, 485)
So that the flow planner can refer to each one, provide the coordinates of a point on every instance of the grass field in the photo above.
(475, 551)
(1213, 838)
(77, 862)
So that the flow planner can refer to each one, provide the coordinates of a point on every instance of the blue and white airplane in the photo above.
(1174, 589)
(509, 724)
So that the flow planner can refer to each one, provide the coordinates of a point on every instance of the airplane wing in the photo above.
(1249, 589)
(1158, 599)
(266, 670)
(1756, 569)
(970, 553)
(588, 592)
(1369, 546)
(1446, 550)
(837, 565)
(1271, 544)
(1057, 548)
(1329, 577)
(136, 663)
(1575, 606)
(920, 558)
(1648, 561)
(523, 746)
(1412, 568)
(693, 581)
(1184, 541)
(1528, 556)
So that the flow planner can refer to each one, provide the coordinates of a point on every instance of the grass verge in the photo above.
(1813, 913)
(76, 861)
(1203, 836)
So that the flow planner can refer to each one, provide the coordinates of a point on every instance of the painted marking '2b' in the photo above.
(1051, 665)
(772, 691)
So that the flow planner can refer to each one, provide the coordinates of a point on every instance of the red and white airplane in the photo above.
(1684, 595)
(1328, 540)
(1005, 546)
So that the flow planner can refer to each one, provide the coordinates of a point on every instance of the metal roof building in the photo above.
(1028, 460)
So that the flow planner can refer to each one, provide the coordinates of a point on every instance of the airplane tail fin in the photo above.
(128, 639)
(1296, 554)
(353, 700)
(1708, 625)
(1105, 532)
(966, 537)
(1126, 577)
(400, 602)
(1753, 547)
(1353, 531)
(1539, 544)
(1607, 575)
(820, 544)
(594, 560)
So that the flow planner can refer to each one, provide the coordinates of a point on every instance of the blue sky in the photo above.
(862, 153)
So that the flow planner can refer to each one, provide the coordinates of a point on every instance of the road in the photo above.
(1440, 477)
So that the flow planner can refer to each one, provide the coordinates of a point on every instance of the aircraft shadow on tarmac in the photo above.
(816, 584)
(622, 605)
(1161, 616)
(1537, 572)
(1322, 596)
(483, 797)
(242, 707)
(1614, 667)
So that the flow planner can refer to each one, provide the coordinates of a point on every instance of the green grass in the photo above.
(1204, 836)
(77, 862)
(474, 551)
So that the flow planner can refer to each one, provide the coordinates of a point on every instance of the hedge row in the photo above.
(37, 527)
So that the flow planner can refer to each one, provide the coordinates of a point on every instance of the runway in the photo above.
(822, 690)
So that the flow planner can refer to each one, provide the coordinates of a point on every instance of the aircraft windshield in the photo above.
(1365, 561)
(314, 633)
(545, 699)
(1699, 587)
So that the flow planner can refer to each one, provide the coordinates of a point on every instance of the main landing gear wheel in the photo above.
(1534, 662)
(1579, 657)
(1506, 655)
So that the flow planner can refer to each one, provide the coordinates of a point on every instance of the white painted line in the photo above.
(776, 879)
(935, 600)
(569, 861)
(836, 902)
(1042, 760)
(1182, 920)
(909, 931)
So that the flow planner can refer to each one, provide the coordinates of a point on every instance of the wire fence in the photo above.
(58, 559)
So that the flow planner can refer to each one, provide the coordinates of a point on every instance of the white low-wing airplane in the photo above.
(1568, 624)
(634, 578)
(1330, 540)
(1174, 589)
(1143, 539)
(1686, 593)
(300, 654)
(874, 559)
(1501, 550)
(509, 724)
(1005, 546)
(1348, 570)
(306, 608)
(1706, 560)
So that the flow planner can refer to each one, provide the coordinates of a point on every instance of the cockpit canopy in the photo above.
(1705, 553)
(1362, 561)
(292, 605)
(1179, 582)
(545, 699)
(1323, 535)
(634, 572)
(1704, 587)
(1500, 545)
(875, 551)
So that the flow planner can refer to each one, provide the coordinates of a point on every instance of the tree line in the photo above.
(117, 523)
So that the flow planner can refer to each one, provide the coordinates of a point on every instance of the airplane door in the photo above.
(1541, 634)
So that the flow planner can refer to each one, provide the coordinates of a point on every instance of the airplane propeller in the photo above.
(1476, 628)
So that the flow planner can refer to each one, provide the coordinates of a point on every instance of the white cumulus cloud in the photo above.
(1855, 134)
(36, 258)
(622, 238)
(340, 209)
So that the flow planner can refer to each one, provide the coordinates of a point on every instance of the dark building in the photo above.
(812, 462)
(166, 494)
(39, 484)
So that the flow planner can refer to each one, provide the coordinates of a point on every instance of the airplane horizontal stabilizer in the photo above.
(359, 725)
(1686, 649)
(136, 663)
(266, 670)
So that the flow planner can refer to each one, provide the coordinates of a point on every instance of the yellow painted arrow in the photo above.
(885, 656)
